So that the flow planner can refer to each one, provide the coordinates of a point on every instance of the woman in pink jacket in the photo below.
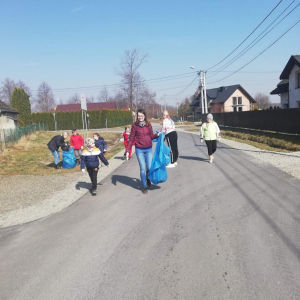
(142, 134)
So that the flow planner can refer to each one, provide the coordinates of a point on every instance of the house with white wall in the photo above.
(289, 87)
(8, 117)
(225, 99)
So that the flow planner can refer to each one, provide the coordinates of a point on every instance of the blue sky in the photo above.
(72, 44)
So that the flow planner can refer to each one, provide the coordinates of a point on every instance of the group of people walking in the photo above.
(141, 135)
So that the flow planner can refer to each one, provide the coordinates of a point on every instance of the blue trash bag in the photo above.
(68, 161)
(158, 171)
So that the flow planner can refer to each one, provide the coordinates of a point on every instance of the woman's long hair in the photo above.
(142, 111)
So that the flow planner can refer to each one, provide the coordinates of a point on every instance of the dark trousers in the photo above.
(171, 139)
(211, 146)
(93, 175)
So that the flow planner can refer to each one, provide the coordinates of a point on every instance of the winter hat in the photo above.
(210, 117)
(90, 142)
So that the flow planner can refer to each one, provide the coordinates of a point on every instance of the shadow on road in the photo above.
(132, 182)
(194, 158)
(82, 185)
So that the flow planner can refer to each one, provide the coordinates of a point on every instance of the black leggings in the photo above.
(171, 139)
(211, 146)
(93, 172)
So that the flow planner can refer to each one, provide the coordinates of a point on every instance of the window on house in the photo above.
(239, 100)
(298, 80)
(240, 108)
(298, 104)
(234, 109)
(234, 100)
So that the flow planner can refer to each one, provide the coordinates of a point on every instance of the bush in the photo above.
(71, 120)
(20, 102)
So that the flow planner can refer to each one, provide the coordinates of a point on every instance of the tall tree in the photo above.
(20, 102)
(45, 99)
(7, 90)
(262, 101)
(130, 63)
(103, 95)
(73, 99)
(8, 87)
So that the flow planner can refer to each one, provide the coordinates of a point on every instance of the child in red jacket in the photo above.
(77, 142)
(126, 136)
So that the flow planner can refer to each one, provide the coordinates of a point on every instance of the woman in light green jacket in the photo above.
(210, 132)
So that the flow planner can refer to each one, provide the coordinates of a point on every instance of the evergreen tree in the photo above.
(20, 102)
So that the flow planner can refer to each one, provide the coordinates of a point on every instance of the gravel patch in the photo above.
(27, 198)
(287, 162)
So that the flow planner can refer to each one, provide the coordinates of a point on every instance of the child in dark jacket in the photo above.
(100, 143)
(90, 159)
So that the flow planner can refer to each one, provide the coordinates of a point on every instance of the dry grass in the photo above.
(31, 156)
(264, 140)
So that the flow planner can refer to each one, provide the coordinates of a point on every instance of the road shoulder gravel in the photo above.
(45, 195)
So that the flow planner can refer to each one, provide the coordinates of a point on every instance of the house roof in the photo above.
(294, 60)
(221, 94)
(282, 87)
(6, 108)
(90, 106)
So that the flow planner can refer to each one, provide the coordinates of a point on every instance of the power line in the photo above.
(245, 50)
(183, 89)
(246, 37)
(260, 52)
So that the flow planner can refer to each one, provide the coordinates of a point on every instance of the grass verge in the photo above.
(31, 156)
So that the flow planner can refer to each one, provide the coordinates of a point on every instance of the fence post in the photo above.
(106, 123)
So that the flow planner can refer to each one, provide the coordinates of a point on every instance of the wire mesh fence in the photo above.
(10, 136)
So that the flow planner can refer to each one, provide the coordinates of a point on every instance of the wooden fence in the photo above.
(277, 120)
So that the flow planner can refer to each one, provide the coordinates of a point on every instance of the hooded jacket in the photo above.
(90, 158)
(142, 136)
(76, 141)
(56, 142)
(101, 144)
(210, 131)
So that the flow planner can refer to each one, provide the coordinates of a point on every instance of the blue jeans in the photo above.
(145, 158)
(56, 156)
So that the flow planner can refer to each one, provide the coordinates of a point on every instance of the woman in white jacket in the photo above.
(168, 128)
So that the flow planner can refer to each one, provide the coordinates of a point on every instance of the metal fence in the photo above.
(277, 120)
(10, 136)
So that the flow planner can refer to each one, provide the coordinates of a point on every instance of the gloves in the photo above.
(83, 171)
(201, 141)
(104, 150)
(219, 139)
(81, 147)
(127, 155)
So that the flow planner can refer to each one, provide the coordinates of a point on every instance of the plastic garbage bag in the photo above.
(158, 171)
(68, 161)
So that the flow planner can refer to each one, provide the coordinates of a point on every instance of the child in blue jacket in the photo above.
(100, 143)
(90, 159)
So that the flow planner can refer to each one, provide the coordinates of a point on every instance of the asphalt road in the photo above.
(227, 230)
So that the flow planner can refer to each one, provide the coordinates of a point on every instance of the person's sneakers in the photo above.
(57, 166)
(170, 166)
(144, 190)
(175, 163)
(211, 160)
(148, 182)
(94, 192)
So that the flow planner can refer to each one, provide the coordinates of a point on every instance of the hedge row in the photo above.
(73, 119)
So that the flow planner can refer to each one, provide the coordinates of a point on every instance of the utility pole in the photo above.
(202, 86)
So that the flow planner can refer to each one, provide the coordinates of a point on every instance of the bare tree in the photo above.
(44, 100)
(103, 95)
(7, 90)
(8, 87)
(90, 99)
(262, 101)
(73, 99)
(130, 63)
